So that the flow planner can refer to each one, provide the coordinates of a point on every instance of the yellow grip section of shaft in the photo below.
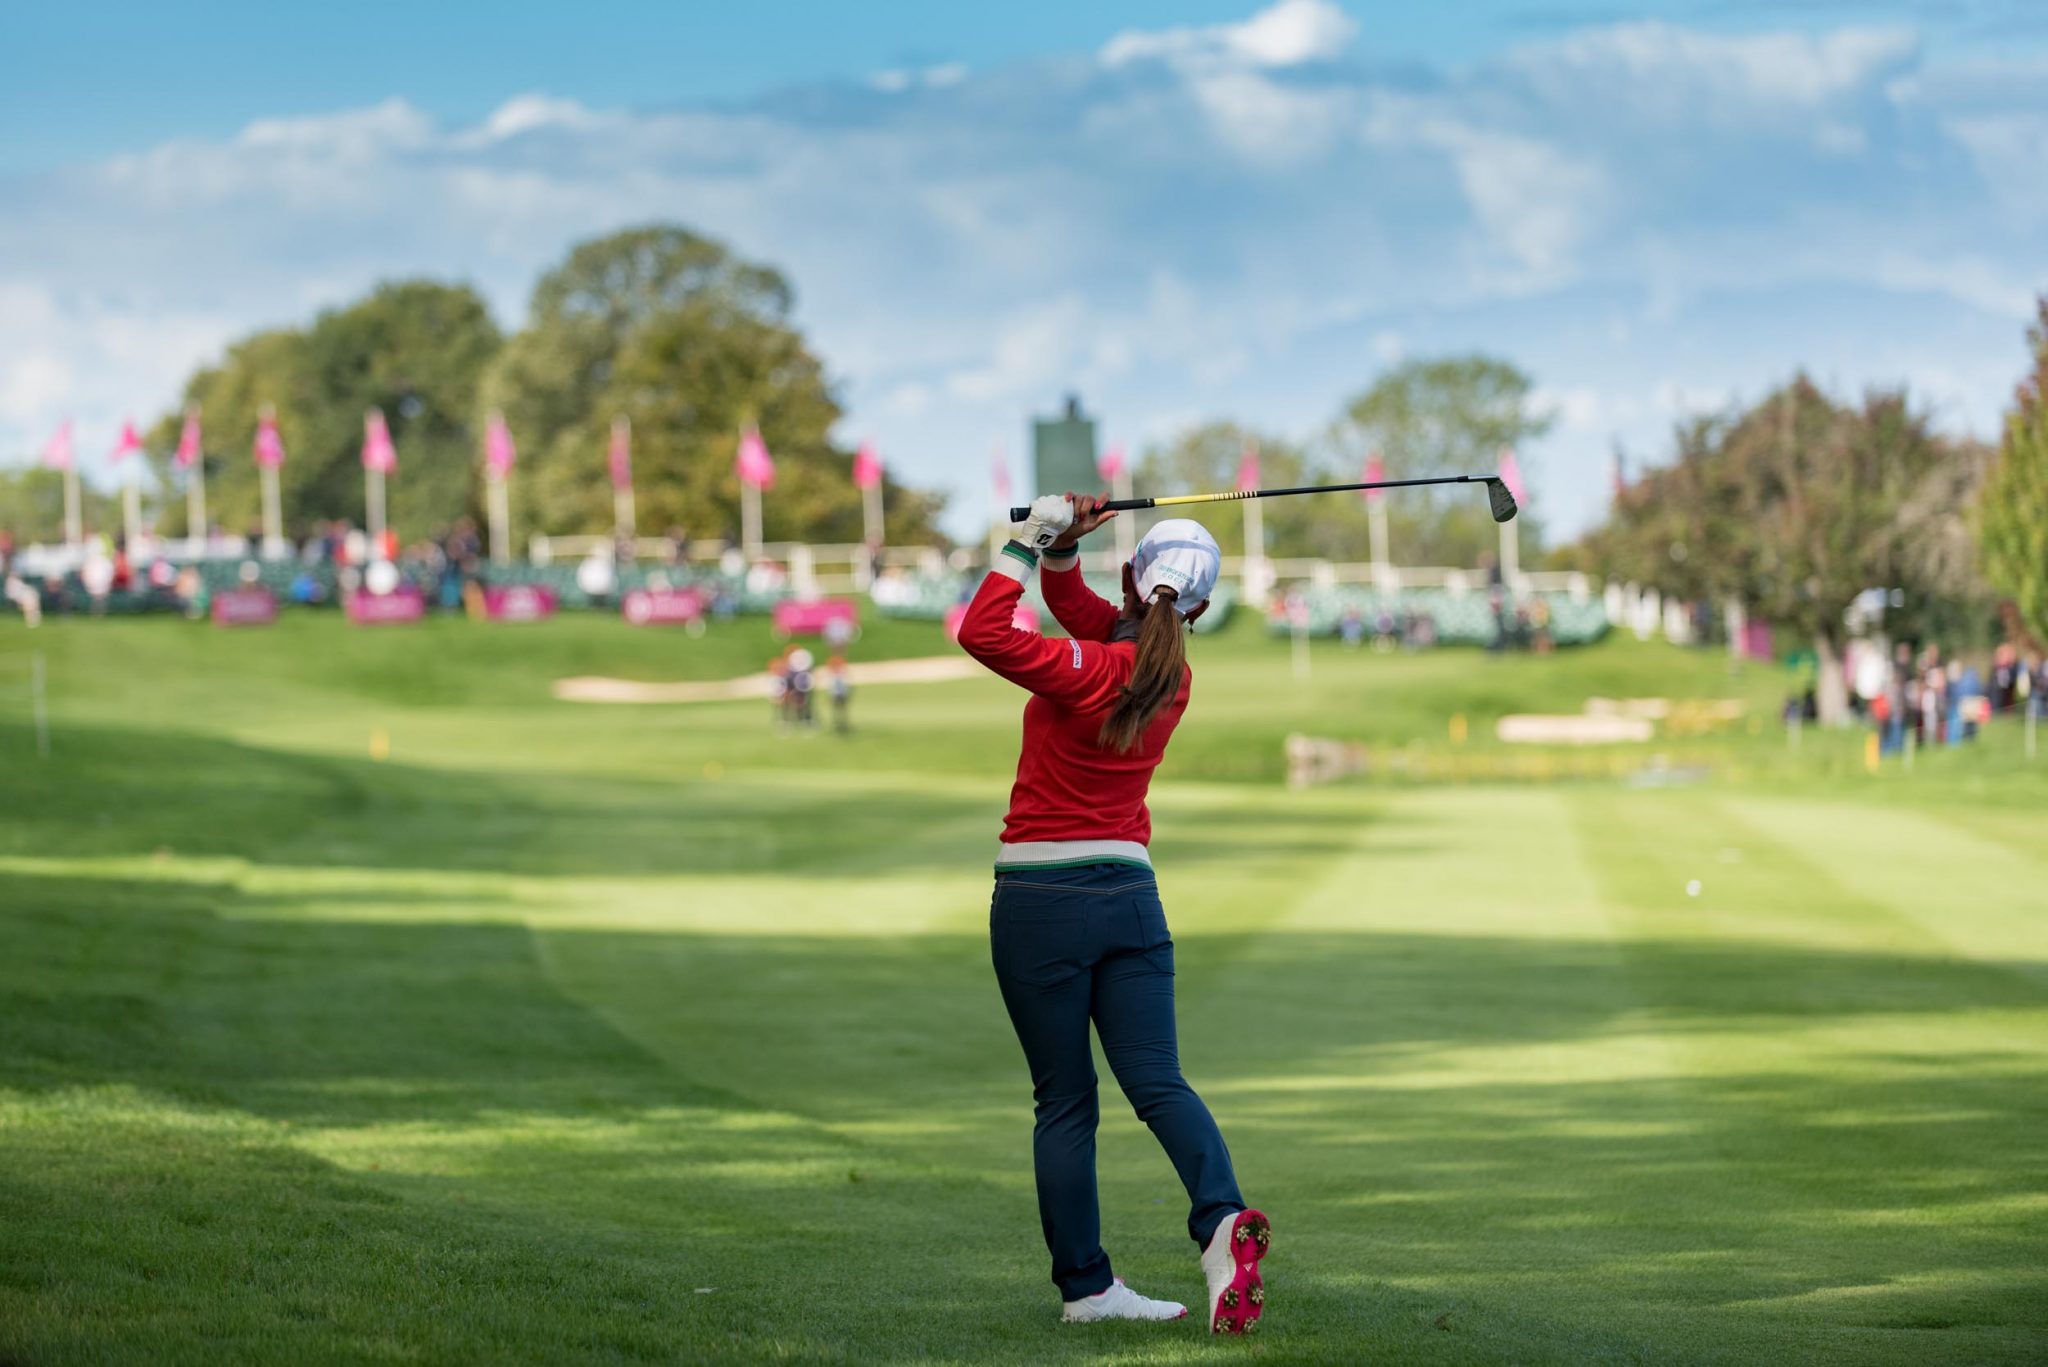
(1200, 498)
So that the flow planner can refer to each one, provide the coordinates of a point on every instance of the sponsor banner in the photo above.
(245, 607)
(1025, 618)
(403, 604)
(812, 619)
(663, 607)
(519, 603)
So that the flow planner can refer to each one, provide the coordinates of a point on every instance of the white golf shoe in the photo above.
(1237, 1295)
(1121, 1303)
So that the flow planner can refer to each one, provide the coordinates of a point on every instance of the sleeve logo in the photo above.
(1077, 653)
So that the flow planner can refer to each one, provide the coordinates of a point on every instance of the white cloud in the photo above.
(1230, 219)
(1289, 33)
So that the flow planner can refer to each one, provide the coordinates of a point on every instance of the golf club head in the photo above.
(1500, 500)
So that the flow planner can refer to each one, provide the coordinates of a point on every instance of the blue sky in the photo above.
(1183, 210)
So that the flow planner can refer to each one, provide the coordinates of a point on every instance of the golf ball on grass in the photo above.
(1692, 888)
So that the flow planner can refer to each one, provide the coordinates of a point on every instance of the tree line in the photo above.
(659, 325)
(1426, 416)
(1800, 502)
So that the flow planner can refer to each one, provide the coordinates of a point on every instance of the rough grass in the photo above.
(626, 1034)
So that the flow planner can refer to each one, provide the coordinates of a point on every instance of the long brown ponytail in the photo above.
(1155, 677)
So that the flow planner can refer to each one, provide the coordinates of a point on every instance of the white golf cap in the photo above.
(1178, 554)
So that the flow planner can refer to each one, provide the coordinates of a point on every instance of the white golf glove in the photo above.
(1050, 515)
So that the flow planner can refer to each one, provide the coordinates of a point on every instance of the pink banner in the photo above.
(1511, 474)
(499, 453)
(244, 607)
(1025, 618)
(402, 604)
(1375, 472)
(867, 467)
(810, 619)
(753, 462)
(188, 439)
(1111, 463)
(663, 607)
(129, 444)
(378, 452)
(269, 445)
(57, 453)
(1248, 468)
(519, 603)
(620, 455)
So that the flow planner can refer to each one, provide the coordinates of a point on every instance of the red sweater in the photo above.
(1074, 800)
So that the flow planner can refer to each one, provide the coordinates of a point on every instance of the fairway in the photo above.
(569, 1032)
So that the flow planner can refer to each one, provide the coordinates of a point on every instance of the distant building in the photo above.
(1063, 452)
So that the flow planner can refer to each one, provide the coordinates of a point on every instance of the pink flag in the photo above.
(498, 450)
(1112, 463)
(269, 445)
(867, 467)
(378, 452)
(1511, 474)
(129, 443)
(1375, 471)
(57, 455)
(620, 454)
(754, 465)
(999, 476)
(188, 439)
(1248, 467)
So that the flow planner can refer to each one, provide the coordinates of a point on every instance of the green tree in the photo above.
(1205, 459)
(416, 349)
(672, 331)
(1442, 416)
(2013, 511)
(32, 506)
(1796, 506)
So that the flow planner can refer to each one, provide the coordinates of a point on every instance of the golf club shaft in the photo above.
(1128, 505)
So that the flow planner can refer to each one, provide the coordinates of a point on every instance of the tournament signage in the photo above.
(519, 603)
(1025, 618)
(403, 604)
(244, 607)
(663, 607)
(814, 619)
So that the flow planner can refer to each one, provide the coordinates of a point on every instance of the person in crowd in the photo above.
(778, 689)
(1351, 627)
(1933, 696)
(840, 686)
(2004, 680)
(1077, 931)
(801, 664)
(1896, 698)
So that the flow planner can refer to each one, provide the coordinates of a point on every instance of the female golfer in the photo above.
(1076, 928)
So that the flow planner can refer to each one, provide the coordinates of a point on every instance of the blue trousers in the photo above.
(1090, 943)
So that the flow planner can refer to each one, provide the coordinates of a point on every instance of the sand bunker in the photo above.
(929, 669)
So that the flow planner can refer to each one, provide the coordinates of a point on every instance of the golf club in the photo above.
(1499, 500)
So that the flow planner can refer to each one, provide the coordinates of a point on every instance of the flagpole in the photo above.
(74, 523)
(500, 514)
(750, 520)
(373, 510)
(131, 507)
(1126, 530)
(195, 506)
(1376, 528)
(871, 513)
(273, 514)
(1254, 553)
